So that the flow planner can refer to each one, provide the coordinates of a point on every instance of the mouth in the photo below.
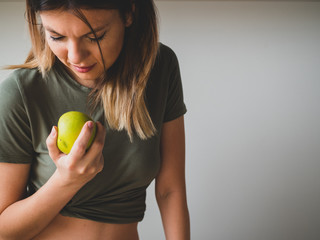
(83, 69)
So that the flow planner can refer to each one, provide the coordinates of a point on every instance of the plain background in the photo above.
(251, 77)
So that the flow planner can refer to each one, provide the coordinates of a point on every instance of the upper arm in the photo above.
(13, 183)
(172, 172)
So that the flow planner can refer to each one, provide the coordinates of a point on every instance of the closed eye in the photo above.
(98, 39)
(56, 38)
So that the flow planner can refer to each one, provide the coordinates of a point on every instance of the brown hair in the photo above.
(121, 90)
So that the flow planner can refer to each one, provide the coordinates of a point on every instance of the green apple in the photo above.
(69, 128)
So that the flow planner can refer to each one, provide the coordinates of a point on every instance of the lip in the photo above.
(83, 69)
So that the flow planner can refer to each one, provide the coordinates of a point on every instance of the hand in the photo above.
(79, 166)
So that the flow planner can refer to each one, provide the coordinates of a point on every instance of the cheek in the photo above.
(57, 50)
(110, 55)
(111, 49)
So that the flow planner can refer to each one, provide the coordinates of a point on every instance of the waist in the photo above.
(70, 228)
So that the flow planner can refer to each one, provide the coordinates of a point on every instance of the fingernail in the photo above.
(53, 132)
(90, 124)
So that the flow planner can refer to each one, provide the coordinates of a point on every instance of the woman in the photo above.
(102, 58)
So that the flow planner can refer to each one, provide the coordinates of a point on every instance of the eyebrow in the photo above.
(98, 29)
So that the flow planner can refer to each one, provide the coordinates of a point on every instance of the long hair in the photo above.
(121, 89)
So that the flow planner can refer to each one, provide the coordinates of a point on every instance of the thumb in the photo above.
(51, 142)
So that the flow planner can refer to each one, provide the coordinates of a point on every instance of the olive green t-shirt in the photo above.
(31, 104)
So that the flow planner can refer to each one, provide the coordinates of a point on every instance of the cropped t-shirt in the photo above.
(31, 104)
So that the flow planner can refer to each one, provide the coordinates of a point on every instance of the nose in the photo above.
(77, 52)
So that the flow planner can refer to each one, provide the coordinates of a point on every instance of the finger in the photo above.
(79, 147)
(98, 142)
(51, 142)
(101, 163)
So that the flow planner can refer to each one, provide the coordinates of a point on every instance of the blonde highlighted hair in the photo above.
(121, 90)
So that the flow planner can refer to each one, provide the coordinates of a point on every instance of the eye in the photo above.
(98, 39)
(56, 38)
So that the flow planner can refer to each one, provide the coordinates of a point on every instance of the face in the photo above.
(72, 41)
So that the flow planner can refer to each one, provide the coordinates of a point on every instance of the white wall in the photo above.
(14, 40)
(251, 73)
(251, 78)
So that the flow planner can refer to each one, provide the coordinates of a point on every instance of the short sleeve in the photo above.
(175, 106)
(15, 134)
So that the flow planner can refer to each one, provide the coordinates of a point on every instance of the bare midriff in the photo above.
(69, 228)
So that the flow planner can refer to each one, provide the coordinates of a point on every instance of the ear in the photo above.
(129, 16)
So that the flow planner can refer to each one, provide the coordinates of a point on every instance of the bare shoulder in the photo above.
(13, 182)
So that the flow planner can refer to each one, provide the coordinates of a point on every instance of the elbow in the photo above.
(170, 194)
(162, 195)
(164, 192)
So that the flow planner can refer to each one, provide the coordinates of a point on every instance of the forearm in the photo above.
(26, 218)
(175, 216)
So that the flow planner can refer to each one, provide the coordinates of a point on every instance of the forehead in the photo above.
(63, 19)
